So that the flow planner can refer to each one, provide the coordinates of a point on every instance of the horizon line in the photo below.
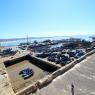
(89, 35)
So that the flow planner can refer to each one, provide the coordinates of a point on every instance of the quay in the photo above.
(46, 71)
(82, 76)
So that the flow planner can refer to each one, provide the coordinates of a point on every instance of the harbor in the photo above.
(40, 64)
(47, 47)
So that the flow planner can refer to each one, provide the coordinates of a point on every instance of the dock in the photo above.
(82, 76)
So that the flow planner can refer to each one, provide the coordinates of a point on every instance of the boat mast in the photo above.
(27, 38)
(0, 46)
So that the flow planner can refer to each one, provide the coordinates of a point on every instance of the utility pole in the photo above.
(72, 89)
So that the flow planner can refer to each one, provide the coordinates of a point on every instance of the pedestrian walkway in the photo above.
(80, 80)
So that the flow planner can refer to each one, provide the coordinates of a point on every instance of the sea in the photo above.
(39, 39)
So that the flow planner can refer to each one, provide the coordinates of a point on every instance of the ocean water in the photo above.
(14, 43)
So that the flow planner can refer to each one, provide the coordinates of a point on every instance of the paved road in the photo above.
(82, 76)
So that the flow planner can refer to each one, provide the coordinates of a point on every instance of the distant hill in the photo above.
(15, 39)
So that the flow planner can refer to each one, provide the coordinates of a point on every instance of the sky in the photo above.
(44, 18)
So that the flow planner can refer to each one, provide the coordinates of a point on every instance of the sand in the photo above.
(17, 81)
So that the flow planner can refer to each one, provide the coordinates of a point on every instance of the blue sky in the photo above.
(36, 18)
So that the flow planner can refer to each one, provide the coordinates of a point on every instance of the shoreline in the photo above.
(15, 42)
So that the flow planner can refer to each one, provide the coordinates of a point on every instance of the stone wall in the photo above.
(72, 64)
(30, 89)
(15, 60)
(49, 78)
(45, 64)
(34, 60)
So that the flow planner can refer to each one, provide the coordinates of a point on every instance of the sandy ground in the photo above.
(17, 81)
(5, 85)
